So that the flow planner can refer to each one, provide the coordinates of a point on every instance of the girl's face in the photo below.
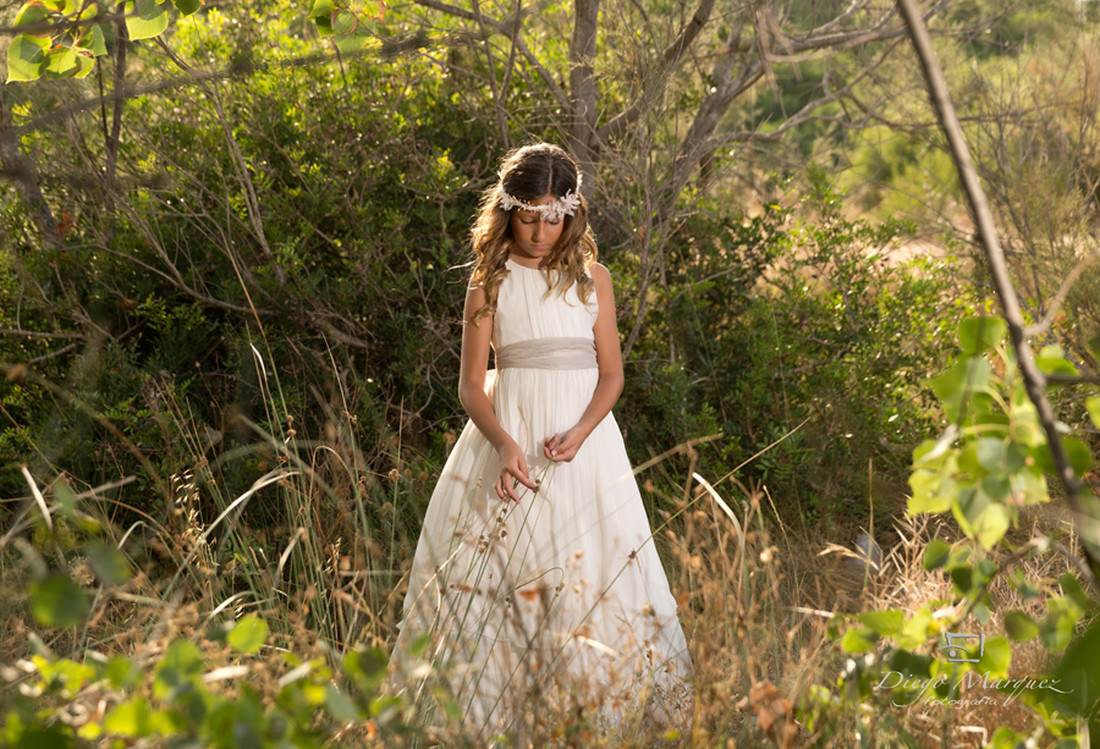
(533, 237)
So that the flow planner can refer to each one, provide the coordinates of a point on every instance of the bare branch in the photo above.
(509, 29)
(1043, 325)
(671, 56)
(1034, 380)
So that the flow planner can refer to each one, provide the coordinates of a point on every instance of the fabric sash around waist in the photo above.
(548, 353)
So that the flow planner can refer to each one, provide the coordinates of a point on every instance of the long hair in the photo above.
(529, 173)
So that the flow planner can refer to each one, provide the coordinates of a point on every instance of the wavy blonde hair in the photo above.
(529, 173)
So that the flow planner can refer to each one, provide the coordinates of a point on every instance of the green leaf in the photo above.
(933, 489)
(85, 64)
(996, 658)
(1080, 455)
(1019, 626)
(344, 22)
(58, 602)
(33, 13)
(980, 334)
(886, 623)
(936, 553)
(997, 455)
(92, 40)
(1056, 628)
(249, 635)
(980, 518)
(350, 44)
(121, 672)
(1079, 671)
(1071, 586)
(858, 640)
(26, 58)
(1052, 360)
(340, 705)
(1092, 403)
(132, 719)
(145, 19)
(957, 386)
(324, 25)
(915, 632)
(187, 7)
(367, 666)
(107, 562)
(178, 671)
(321, 9)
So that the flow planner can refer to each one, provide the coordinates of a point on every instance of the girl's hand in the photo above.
(513, 472)
(564, 445)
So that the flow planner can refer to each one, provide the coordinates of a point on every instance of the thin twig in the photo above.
(1034, 381)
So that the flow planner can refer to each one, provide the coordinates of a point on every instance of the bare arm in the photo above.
(609, 359)
(476, 336)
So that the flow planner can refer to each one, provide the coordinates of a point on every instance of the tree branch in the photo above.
(672, 55)
(1034, 381)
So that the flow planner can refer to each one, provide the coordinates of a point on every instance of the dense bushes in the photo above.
(312, 221)
(793, 318)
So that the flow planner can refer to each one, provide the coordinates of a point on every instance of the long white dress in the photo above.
(557, 602)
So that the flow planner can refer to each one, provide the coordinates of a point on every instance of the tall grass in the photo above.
(318, 546)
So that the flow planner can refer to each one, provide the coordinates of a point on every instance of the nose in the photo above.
(535, 229)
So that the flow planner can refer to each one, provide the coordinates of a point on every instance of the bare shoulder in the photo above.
(601, 276)
(475, 300)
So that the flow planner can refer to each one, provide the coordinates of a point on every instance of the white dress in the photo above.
(558, 602)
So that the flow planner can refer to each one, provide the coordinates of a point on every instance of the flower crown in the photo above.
(555, 210)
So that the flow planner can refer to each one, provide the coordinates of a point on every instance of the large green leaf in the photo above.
(92, 40)
(858, 640)
(33, 13)
(58, 602)
(980, 517)
(145, 19)
(996, 658)
(1052, 360)
(131, 719)
(932, 490)
(979, 334)
(178, 670)
(26, 57)
(321, 9)
(187, 7)
(936, 554)
(61, 62)
(957, 386)
(107, 562)
(998, 456)
(1079, 671)
(887, 622)
(1080, 455)
(1019, 626)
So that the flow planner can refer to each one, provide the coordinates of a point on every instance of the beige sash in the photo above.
(548, 353)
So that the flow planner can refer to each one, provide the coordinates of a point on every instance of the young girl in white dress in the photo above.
(535, 576)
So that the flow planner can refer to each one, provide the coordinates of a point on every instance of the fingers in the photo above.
(513, 477)
(561, 447)
(550, 446)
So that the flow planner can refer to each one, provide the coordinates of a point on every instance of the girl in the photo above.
(535, 577)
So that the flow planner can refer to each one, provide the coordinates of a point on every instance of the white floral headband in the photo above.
(555, 210)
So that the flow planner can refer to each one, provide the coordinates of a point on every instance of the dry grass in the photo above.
(761, 602)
